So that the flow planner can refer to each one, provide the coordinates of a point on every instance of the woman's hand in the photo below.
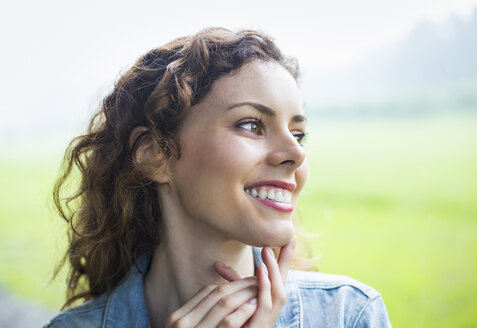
(227, 305)
(235, 304)
(271, 284)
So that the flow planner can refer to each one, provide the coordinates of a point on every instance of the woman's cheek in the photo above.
(236, 154)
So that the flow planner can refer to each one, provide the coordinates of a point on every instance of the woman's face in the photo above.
(242, 166)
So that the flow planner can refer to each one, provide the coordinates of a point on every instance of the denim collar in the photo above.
(126, 305)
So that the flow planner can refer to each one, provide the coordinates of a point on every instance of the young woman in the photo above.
(188, 174)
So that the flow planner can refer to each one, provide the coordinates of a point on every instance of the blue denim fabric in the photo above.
(314, 299)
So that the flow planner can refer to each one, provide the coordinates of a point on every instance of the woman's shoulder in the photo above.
(330, 300)
(88, 314)
(330, 282)
(122, 307)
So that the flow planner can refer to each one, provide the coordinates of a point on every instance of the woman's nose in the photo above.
(286, 151)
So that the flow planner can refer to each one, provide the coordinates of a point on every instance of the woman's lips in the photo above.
(274, 183)
(285, 207)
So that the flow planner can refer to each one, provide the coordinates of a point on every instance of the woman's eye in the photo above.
(300, 137)
(254, 126)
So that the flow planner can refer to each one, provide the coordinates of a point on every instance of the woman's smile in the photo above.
(272, 201)
(273, 193)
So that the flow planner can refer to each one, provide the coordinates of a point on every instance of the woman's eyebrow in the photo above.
(266, 110)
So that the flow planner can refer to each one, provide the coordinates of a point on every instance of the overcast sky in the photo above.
(58, 57)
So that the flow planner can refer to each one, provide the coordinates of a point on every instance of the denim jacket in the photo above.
(314, 299)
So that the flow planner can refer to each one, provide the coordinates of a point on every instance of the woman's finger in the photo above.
(274, 275)
(192, 303)
(200, 304)
(271, 292)
(227, 305)
(265, 306)
(241, 315)
(284, 259)
(226, 272)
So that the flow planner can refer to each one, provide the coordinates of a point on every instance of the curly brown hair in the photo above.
(113, 213)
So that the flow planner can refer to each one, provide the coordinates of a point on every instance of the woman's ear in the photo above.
(147, 154)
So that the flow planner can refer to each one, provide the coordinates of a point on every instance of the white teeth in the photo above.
(262, 194)
(271, 194)
(287, 197)
(275, 194)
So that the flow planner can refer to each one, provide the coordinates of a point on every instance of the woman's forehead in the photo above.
(266, 83)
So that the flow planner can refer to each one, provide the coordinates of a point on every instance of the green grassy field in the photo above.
(393, 202)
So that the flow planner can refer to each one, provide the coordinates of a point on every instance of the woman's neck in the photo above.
(183, 264)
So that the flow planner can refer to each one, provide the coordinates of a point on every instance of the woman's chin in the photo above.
(278, 237)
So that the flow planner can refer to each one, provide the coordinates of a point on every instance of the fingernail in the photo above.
(252, 301)
(220, 264)
(270, 252)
